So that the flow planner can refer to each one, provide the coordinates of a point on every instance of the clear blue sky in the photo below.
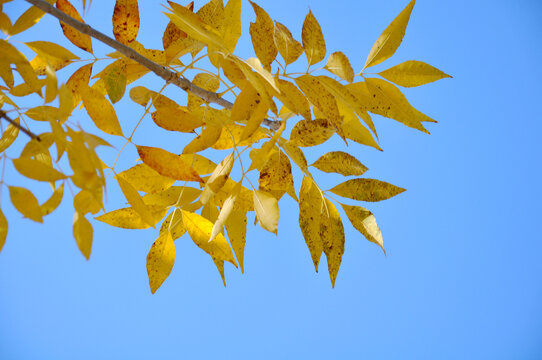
(462, 276)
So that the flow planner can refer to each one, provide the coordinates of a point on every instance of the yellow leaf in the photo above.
(293, 98)
(82, 232)
(173, 224)
(143, 178)
(245, 103)
(65, 103)
(4, 230)
(244, 201)
(172, 32)
(339, 65)
(176, 119)
(5, 23)
(101, 112)
(264, 73)
(51, 85)
(388, 101)
(231, 136)
(218, 178)
(85, 202)
(13, 56)
(114, 77)
(6, 73)
(167, 164)
(236, 226)
(176, 195)
(205, 81)
(289, 48)
(42, 113)
(128, 218)
(220, 266)
(366, 190)
(313, 40)
(413, 73)
(212, 14)
(388, 42)
(296, 154)
(199, 229)
(354, 129)
(262, 34)
(200, 163)
(51, 51)
(135, 200)
(233, 72)
(140, 95)
(78, 82)
(332, 235)
(232, 24)
(310, 208)
(9, 136)
(311, 132)
(80, 40)
(28, 19)
(365, 222)
(208, 137)
(37, 170)
(225, 212)
(341, 163)
(54, 201)
(26, 203)
(267, 210)
(160, 260)
(126, 21)
(276, 175)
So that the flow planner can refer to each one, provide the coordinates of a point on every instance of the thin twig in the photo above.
(161, 71)
(3, 115)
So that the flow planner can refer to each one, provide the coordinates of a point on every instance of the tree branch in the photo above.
(161, 71)
(3, 115)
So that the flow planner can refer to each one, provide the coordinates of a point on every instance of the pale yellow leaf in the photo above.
(267, 210)
(365, 222)
(366, 190)
(101, 112)
(37, 170)
(310, 208)
(311, 132)
(83, 233)
(167, 164)
(135, 200)
(143, 178)
(262, 34)
(225, 212)
(218, 178)
(77, 38)
(289, 48)
(341, 163)
(4, 231)
(160, 260)
(313, 40)
(199, 229)
(413, 73)
(126, 21)
(388, 42)
(26, 203)
(244, 201)
(128, 218)
(332, 235)
(236, 226)
(339, 65)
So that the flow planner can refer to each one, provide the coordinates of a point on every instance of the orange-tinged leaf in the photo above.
(4, 230)
(339, 65)
(167, 164)
(101, 112)
(313, 40)
(266, 207)
(262, 34)
(126, 21)
(143, 178)
(236, 227)
(388, 42)
(128, 218)
(82, 232)
(37, 170)
(289, 48)
(80, 40)
(311, 132)
(160, 260)
(413, 73)
(366, 190)
(341, 163)
(9, 136)
(26, 203)
(199, 229)
(135, 200)
(54, 201)
(310, 208)
(365, 222)
(332, 235)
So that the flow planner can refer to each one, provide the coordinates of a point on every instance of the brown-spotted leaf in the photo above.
(313, 40)
(311, 132)
(160, 260)
(365, 222)
(262, 34)
(341, 163)
(276, 175)
(310, 208)
(232, 24)
(332, 235)
(293, 98)
(77, 38)
(289, 48)
(126, 21)
(366, 190)
(128, 218)
(167, 164)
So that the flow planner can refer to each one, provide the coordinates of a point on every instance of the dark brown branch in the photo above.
(3, 115)
(161, 71)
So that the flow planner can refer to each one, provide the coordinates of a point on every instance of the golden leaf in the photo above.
(85, 202)
(208, 137)
(173, 224)
(296, 154)
(4, 230)
(80, 40)
(128, 218)
(6, 73)
(205, 81)
(28, 19)
(9, 136)
(78, 82)
(310, 208)
(101, 112)
(365, 222)
(354, 129)
(366, 190)
(200, 163)
(13, 56)
(339, 65)
(267, 210)
(231, 136)
(289, 48)
(388, 42)
(245, 103)
(135, 200)
(126, 21)
(413, 73)
(311, 132)
(82, 232)
(313, 40)
(160, 260)
(236, 227)
(143, 178)
(232, 24)
(167, 164)
(42, 113)
(172, 32)
(176, 195)
(37, 170)
(262, 34)
(332, 235)
(51, 51)
(199, 229)
(141, 95)
(341, 163)
(276, 176)
(176, 119)
(26, 203)
(293, 98)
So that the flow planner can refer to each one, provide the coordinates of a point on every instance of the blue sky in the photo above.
(461, 279)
